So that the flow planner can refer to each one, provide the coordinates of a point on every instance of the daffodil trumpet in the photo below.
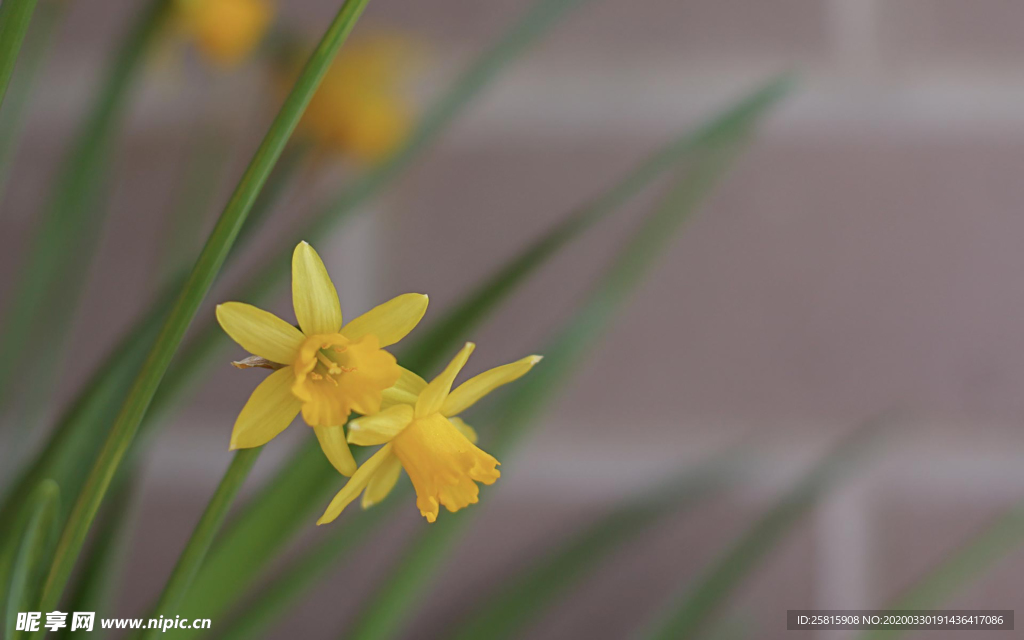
(324, 369)
(422, 433)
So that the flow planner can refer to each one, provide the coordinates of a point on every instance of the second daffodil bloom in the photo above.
(361, 108)
(421, 433)
(224, 31)
(324, 369)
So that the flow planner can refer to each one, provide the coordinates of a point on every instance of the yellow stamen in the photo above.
(323, 376)
(332, 366)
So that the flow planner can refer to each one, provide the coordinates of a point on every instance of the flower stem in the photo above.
(210, 261)
(478, 77)
(266, 525)
(192, 557)
(15, 16)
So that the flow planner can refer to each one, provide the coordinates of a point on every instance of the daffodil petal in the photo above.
(405, 391)
(380, 427)
(332, 441)
(382, 482)
(313, 294)
(269, 410)
(410, 382)
(390, 321)
(472, 390)
(260, 332)
(359, 480)
(433, 396)
(464, 429)
(392, 398)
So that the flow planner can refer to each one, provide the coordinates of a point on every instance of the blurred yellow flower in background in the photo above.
(224, 31)
(420, 434)
(324, 369)
(362, 108)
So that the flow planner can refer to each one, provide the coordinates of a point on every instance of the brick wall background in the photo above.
(865, 253)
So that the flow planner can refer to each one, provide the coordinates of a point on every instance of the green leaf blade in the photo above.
(199, 543)
(198, 284)
(35, 50)
(960, 568)
(447, 333)
(67, 231)
(30, 553)
(690, 610)
(232, 564)
(15, 16)
(523, 598)
(200, 351)
(521, 406)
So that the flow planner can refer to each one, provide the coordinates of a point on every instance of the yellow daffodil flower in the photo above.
(324, 369)
(421, 434)
(361, 109)
(224, 31)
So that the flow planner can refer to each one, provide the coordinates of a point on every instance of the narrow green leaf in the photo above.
(15, 16)
(736, 627)
(275, 515)
(688, 612)
(266, 523)
(96, 581)
(392, 605)
(521, 407)
(445, 336)
(69, 225)
(192, 557)
(202, 349)
(960, 569)
(535, 23)
(73, 445)
(284, 590)
(28, 566)
(196, 187)
(522, 598)
(198, 284)
(79, 434)
(34, 52)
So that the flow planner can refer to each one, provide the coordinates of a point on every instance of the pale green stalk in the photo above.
(192, 557)
(198, 284)
(15, 16)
